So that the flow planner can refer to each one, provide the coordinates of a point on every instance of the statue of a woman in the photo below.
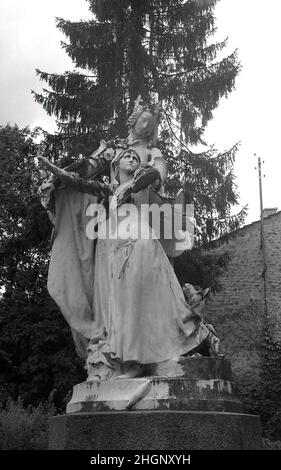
(119, 295)
(141, 315)
(142, 125)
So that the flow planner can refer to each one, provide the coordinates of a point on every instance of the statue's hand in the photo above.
(124, 194)
(144, 176)
(44, 167)
(65, 176)
(43, 161)
(157, 184)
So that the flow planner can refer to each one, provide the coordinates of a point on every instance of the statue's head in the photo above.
(127, 161)
(144, 120)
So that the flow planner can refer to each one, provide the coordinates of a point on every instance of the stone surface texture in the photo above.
(197, 410)
(151, 430)
(238, 310)
(204, 385)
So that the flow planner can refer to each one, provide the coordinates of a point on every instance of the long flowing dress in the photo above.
(140, 309)
(121, 290)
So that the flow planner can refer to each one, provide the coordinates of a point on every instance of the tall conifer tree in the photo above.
(36, 351)
(163, 50)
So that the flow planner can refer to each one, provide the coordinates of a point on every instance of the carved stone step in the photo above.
(203, 384)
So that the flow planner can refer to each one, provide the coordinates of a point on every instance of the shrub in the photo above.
(25, 428)
(271, 445)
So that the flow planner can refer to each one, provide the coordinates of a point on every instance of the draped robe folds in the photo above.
(138, 302)
(121, 291)
(71, 268)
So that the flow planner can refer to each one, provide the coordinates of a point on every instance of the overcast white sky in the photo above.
(29, 40)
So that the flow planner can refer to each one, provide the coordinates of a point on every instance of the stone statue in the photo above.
(196, 298)
(120, 295)
(141, 334)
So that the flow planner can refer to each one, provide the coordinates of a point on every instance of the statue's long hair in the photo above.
(116, 161)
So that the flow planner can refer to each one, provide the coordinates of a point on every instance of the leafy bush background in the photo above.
(25, 428)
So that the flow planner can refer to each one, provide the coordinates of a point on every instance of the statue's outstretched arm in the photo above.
(77, 182)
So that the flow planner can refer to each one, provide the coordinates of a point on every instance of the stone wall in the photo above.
(238, 310)
(273, 274)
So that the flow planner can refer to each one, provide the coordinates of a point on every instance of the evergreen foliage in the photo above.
(36, 351)
(25, 428)
(163, 50)
(270, 409)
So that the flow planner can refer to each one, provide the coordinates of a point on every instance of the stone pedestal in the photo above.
(197, 409)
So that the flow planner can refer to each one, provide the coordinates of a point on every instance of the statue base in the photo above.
(155, 430)
(196, 409)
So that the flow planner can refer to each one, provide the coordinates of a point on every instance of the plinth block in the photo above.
(155, 430)
(188, 403)
(154, 394)
(198, 384)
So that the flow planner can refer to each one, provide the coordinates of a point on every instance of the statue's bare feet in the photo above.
(133, 371)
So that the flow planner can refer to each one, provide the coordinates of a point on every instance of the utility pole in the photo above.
(262, 235)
